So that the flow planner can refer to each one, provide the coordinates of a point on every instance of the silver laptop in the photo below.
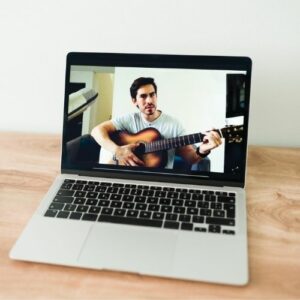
(152, 169)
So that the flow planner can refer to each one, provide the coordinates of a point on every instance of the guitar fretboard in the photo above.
(171, 143)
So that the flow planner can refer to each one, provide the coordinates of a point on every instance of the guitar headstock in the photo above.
(233, 133)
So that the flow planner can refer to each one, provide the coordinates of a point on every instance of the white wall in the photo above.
(36, 35)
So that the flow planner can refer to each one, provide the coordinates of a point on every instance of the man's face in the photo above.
(146, 99)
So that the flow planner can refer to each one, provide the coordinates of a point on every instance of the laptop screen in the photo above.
(174, 118)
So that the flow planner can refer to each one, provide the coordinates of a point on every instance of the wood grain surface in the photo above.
(30, 162)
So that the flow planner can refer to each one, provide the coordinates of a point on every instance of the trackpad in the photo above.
(129, 248)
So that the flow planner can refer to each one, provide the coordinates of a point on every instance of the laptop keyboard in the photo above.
(154, 206)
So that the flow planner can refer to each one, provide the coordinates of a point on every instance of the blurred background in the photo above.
(37, 35)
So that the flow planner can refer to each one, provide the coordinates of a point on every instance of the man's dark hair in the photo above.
(140, 82)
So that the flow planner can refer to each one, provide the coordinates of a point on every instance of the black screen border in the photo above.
(238, 63)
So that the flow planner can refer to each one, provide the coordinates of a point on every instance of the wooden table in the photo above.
(29, 163)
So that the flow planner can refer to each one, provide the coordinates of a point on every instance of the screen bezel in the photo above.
(158, 61)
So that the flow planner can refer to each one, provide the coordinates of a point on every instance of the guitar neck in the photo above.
(171, 143)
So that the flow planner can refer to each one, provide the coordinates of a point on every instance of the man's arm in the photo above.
(210, 141)
(123, 154)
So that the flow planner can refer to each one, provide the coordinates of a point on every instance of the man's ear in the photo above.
(134, 102)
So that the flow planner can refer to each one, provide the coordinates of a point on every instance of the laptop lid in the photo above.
(197, 93)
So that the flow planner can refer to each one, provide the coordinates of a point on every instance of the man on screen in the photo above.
(144, 96)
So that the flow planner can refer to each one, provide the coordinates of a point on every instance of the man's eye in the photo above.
(152, 94)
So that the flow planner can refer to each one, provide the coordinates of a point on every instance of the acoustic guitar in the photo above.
(152, 149)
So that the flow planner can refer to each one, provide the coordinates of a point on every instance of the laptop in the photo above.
(152, 169)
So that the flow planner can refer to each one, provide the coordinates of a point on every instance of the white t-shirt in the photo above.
(168, 126)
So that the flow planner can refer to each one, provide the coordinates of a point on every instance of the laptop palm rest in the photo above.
(129, 248)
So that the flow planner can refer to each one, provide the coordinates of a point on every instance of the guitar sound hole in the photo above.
(140, 150)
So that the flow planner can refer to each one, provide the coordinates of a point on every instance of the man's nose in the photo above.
(149, 99)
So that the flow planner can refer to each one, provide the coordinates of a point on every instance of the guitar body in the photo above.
(156, 159)
(153, 149)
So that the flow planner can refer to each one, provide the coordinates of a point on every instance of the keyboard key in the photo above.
(75, 215)
(140, 199)
(140, 206)
(79, 201)
(65, 193)
(177, 202)
(91, 201)
(224, 199)
(63, 199)
(220, 221)
(82, 208)
(89, 217)
(190, 203)
(69, 181)
(197, 197)
(156, 188)
(106, 183)
(70, 207)
(116, 204)
(107, 211)
(214, 228)
(160, 194)
(56, 206)
(158, 215)
(112, 190)
(179, 209)
(145, 214)
(228, 232)
(94, 182)
(184, 218)
(104, 196)
(101, 189)
(219, 213)
(77, 187)
(153, 207)
(201, 204)
(81, 182)
(63, 214)
(94, 210)
(185, 196)
(168, 189)
(198, 219)
(148, 193)
(66, 186)
(92, 195)
(186, 226)
(115, 197)
(51, 213)
(132, 213)
(166, 208)
(118, 184)
(152, 200)
(171, 225)
(192, 211)
(119, 212)
(127, 198)
(128, 205)
(200, 229)
(124, 191)
(164, 201)
(130, 221)
(89, 188)
(103, 203)
(171, 217)
(173, 195)
(205, 212)
(136, 192)
(214, 205)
